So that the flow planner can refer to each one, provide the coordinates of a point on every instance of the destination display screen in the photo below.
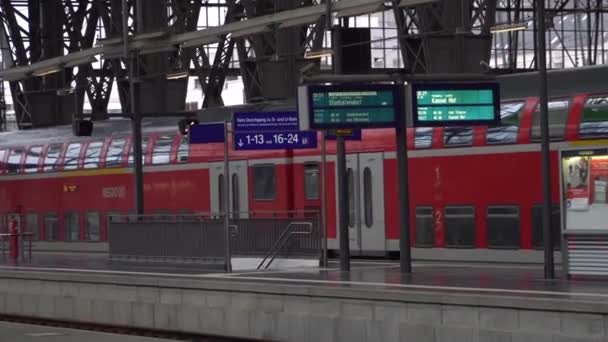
(454, 104)
(353, 106)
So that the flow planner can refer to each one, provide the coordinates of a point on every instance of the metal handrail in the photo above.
(285, 236)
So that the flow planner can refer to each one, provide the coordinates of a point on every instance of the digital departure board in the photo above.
(455, 104)
(349, 106)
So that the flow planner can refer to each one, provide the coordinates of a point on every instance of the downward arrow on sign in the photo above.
(240, 143)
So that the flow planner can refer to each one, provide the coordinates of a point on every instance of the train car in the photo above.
(471, 189)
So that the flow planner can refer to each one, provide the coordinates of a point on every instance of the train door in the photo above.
(365, 178)
(239, 194)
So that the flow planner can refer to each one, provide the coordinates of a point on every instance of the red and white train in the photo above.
(470, 188)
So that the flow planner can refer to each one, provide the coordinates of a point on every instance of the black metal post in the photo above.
(341, 166)
(541, 59)
(405, 256)
(136, 118)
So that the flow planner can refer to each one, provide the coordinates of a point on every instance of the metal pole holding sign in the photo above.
(541, 58)
(226, 213)
(405, 256)
(324, 261)
(341, 166)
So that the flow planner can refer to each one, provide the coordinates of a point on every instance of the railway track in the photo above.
(121, 330)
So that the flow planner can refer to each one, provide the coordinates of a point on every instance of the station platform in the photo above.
(372, 302)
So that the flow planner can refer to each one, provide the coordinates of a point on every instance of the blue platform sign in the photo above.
(206, 133)
(265, 121)
(275, 140)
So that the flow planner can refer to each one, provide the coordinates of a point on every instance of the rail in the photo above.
(282, 240)
(5, 236)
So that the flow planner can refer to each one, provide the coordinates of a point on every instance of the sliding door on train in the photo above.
(365, 177)
(239, 194)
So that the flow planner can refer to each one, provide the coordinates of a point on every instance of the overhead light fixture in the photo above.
(46, 71)
(508, 27)
(178, 75)
(81, 61)
(316, 54)
(201, 41)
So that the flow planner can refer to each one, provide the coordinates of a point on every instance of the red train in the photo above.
(471, 188)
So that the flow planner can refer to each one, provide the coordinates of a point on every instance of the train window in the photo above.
(52, 157)
(236, 209)
(264, 182)
(502, 224)
(368, 198)
(537, 227)
(459, 226)
(51, 227)
(31, 159)
(458, 136)
(162, 150)
(31, 224)
(72, 154)
(114, 154)
(220, 193)
(350, 181)
(424, 229)
(182, 151)
(144, 147)
(91, 160)
(71, 226)
(558, 114)
(92, 226)
(3, 225)
(506, 132)
(14, 160)
(311, 181)
(423, 137)
(594, 119)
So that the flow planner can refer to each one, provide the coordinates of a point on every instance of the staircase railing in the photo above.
(283, 239)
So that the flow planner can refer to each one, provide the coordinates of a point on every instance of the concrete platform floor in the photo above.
(478, 278)
(15, 332)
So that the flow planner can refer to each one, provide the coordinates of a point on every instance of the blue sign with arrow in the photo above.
(275, 140)
(265, 121)
(206, 133)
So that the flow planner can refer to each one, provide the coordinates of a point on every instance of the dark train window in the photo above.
(537, 227)
(183, 151)
(368, 198)
(14, 160)
(72, 154)
(264, 182)
(558, 114)
(52, 157)
(458, 136)
(71, 226)
(594, 118)
(161, 154)
(93, 154)
(31, 159)
(425, 231)
(144, 147)
(502, 224)
(31, 224)
(51, 227)
(350, 181)
(423, 137)
(506, 133)
(92, 227)
(459, 226)
(311, 181)
(236, 200)
(114, 154)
